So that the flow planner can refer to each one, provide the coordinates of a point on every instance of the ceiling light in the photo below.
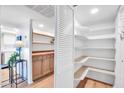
(95, 10)
(41, 25)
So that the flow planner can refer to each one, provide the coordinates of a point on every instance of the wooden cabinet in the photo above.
(43, 64)
(46, 64)
(36, 67)
(51, 63)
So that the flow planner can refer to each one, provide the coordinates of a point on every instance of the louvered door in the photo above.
(64, 47)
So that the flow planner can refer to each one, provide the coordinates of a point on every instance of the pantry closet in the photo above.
(95, 41)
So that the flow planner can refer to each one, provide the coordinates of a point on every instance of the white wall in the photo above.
(27, 49)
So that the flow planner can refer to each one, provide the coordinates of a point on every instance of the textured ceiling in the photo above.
(45, 10)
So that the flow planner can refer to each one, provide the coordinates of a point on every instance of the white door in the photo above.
(119, 70)
(64, 47)
(122, 64)
(121, 26)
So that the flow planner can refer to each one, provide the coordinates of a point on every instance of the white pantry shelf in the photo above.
(100, 58)
(97, 37)
(81, 73)
(107, 36)
(102, 71)
(83, 59)
(112, 48)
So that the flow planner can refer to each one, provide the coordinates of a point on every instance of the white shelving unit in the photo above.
(83, 71)
(97, 48)
(83, 59)
(42, 41)
(97, 55)
(105, 36)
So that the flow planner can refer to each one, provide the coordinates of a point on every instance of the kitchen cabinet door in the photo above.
(45, 66)
(36, 68)
(52, 62)
(47, 62)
